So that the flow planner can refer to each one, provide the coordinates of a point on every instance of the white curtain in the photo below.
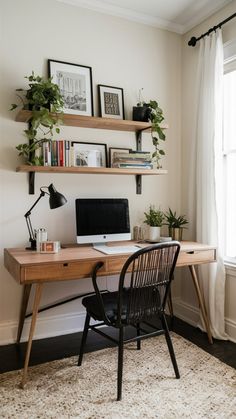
(209, 164)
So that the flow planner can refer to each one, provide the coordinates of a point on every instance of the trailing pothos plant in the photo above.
(44, 99)
(153, 113)
(157, 133)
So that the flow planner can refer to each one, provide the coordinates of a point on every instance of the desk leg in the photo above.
(24, 303)
(201, 302)
(37, 297)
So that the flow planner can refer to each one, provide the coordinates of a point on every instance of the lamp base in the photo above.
(32, 246)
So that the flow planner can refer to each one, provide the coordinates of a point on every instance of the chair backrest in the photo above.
(150, 271)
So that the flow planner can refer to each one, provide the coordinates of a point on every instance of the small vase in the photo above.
(154, 234)
(176, 233)
(141, 113)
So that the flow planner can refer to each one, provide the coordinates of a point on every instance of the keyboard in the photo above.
(116, 250)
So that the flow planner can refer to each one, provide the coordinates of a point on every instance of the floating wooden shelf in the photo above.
(90, 170)
(95, 122)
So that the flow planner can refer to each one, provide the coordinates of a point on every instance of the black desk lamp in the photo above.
(56, 200)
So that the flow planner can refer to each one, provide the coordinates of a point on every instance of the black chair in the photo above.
(141, 297)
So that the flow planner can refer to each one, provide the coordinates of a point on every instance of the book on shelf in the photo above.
(133, 159)
(136, 155)
(133, 165)
(46, 149)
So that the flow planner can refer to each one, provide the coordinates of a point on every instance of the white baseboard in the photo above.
(46, 326)
(190, 315)
(186, 312)
(49, 326)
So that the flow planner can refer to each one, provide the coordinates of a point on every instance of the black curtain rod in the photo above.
(192, 42)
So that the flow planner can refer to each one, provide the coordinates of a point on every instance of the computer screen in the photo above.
(102, 220)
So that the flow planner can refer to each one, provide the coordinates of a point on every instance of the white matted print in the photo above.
(75, 84)
(111, 102)
(89, 154)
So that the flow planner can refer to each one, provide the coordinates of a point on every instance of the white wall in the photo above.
(121, 53)
(186, 305)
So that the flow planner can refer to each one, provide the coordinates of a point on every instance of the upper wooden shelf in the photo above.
(90, 170)
(95, 122)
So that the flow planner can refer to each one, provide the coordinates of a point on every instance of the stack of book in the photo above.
(57, 153)
(133, 160)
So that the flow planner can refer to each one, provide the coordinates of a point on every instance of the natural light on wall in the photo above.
(229, 150)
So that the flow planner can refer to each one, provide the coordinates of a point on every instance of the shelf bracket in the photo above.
(139, 148)
(31, 182)
(138, 184)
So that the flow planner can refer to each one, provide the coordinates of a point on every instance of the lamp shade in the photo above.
(56, 199)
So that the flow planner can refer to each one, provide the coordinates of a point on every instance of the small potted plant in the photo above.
(150, 111)
(41, 97)
(154, 218)
(175, 224)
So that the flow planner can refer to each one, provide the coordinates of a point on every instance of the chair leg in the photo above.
(84, 338)
(120, 363)
(138, 334)
(169, 344)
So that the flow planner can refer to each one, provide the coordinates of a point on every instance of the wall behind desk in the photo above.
(122, 54)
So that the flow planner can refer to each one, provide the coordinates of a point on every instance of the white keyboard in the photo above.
(115, 250)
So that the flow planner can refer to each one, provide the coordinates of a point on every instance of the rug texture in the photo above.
(60, 389)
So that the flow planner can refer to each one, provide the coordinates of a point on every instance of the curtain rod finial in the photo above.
(192, 41)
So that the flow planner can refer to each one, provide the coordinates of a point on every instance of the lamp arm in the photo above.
(30, 228)
(28, 213)
(28, 221)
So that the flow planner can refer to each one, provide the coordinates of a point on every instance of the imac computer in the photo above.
(99, 221)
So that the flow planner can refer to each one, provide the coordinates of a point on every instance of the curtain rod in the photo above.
(192, 42)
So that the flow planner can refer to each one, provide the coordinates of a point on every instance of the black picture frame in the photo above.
(114, 149)
(111, 102)
(76, 86)
(81, 151)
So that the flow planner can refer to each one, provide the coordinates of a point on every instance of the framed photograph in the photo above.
(111, 102)
(113, 150)
(75, 83)
(89, 154)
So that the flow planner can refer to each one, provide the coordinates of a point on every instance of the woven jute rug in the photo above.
(60, 389)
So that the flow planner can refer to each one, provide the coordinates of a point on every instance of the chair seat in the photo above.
(110, 301)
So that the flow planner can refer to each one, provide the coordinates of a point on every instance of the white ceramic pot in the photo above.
(154, 233)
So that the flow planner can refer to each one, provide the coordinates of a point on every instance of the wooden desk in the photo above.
(73, 263)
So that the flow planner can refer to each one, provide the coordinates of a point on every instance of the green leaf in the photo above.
(13, 106)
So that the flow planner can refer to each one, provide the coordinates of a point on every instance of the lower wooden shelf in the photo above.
(90, 170)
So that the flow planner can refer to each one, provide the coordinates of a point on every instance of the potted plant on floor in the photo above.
(154, 218)
(150, 111)
(41, 97)
(175, 224)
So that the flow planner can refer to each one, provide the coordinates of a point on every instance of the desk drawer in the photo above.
(58, 271)
(114, 266)
(196, 257)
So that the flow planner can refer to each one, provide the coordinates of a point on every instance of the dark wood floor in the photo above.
(44, 350)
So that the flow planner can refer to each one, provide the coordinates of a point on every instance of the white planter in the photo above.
(154, 233)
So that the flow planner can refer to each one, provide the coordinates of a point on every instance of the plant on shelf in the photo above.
(41, 97)
(154, 218)
(175, 224)
(150, 111)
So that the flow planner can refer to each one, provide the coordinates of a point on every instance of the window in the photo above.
(229, 156)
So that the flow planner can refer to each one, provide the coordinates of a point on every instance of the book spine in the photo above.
(67, 153)
(54, 153)
(47, 153)
(61, 160)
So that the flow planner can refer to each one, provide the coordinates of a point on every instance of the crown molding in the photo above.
(199, 14)
(124, 13)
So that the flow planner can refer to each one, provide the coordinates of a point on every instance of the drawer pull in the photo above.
(190, 253)
(65, 264)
